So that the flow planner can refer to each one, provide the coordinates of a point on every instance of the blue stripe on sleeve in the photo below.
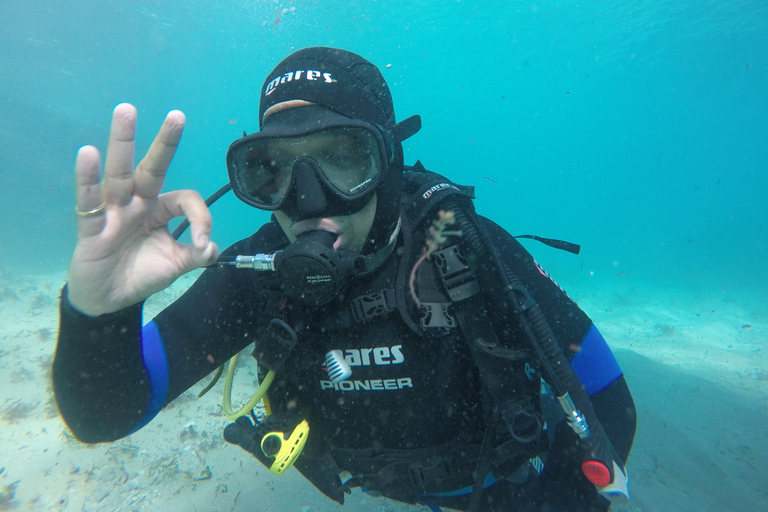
(156, 364)
(594, 363)
(489, 480)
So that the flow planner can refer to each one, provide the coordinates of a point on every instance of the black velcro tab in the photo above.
(274, 347)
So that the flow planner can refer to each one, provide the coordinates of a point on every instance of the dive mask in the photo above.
(331, 167)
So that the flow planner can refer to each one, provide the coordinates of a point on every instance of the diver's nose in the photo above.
(310, 198)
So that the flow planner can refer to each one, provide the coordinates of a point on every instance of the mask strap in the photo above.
(406, 128)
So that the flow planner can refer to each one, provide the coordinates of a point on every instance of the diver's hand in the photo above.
(125, 253)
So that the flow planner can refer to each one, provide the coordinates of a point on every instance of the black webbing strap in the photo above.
(506, 386)
(407, 476)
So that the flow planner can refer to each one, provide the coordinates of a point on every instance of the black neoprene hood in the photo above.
(349, 85)
(337, 79)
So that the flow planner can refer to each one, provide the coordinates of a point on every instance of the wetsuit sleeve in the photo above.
(599, 371)
(99, 379)
(111, 375)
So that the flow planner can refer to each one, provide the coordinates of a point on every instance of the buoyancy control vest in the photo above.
(412, 417)
(468, 312)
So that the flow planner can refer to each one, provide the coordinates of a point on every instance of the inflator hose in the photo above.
(557, 370)
(597, 446)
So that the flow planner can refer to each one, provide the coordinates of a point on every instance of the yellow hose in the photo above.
(260, 392)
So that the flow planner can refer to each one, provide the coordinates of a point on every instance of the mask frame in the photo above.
(325, 191)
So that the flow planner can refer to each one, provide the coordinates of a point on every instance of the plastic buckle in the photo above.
(416, 473)
(436, 316)
(374, 304)
(459, 280)
(433, 470)
(520, 297)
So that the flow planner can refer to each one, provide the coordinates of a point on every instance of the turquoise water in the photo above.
(638, 129)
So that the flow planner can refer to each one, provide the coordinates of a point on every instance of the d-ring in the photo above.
(89, 213)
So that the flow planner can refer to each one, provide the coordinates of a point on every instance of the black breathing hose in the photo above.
(208, 202)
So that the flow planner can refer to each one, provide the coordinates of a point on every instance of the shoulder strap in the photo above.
(425, 190)
(509, 382)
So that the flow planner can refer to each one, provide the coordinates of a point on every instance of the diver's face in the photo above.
(351, 230)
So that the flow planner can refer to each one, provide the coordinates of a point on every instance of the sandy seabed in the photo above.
(697, 367)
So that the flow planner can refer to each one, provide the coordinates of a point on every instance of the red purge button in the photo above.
(596, 472)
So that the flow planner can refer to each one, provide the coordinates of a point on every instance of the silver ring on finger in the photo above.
(90, 213)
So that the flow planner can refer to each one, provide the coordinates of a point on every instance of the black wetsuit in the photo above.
(408, 391)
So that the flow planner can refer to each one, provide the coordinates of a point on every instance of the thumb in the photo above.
(196, 257)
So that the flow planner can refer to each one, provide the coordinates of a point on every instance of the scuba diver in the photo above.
(406, 345)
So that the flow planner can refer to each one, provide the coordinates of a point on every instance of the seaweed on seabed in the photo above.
(8, 294)
(7, 494)
(44, 334)
(41, 301)
(17, 411)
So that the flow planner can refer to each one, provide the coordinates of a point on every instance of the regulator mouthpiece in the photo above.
(312, 272)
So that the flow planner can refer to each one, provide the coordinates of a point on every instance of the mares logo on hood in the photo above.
(306, 74)
(359, 90)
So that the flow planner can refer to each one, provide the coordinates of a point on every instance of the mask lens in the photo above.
(350, 161)
(263, 176)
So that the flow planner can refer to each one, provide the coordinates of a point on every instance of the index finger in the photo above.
(150, 173)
